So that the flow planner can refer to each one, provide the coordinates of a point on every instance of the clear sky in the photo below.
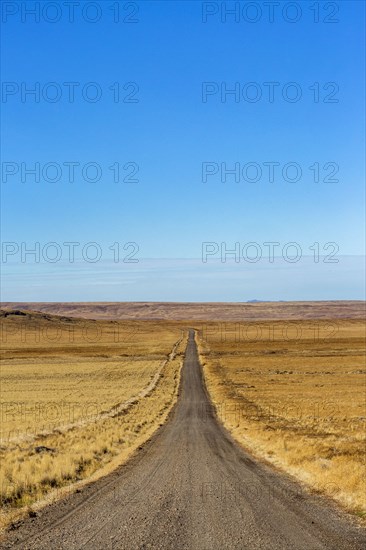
(161, 70)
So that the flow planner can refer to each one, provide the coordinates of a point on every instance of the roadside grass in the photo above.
(295, 400)
(120, 393)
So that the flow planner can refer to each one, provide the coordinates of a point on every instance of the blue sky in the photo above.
(168, 133)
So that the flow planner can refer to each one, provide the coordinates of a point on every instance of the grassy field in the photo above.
(294, 394)
(77, 398)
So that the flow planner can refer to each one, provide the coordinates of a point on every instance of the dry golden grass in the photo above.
(294, 394)
(78, 398)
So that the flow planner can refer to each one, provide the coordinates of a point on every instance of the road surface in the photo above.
(191, 487)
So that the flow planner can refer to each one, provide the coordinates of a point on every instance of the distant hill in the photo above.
(211, 311)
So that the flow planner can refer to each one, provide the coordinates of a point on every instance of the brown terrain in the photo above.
(257, 442)
(198, 311)
(191, 487)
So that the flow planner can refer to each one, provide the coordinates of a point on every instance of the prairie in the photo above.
(294, 394)
(80, 395)
(77, 398)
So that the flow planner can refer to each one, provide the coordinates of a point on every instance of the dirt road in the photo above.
(191, 488)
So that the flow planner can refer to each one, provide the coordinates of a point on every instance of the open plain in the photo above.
(77, 398)
(294, 394)
(199, 311)
(256, 443)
